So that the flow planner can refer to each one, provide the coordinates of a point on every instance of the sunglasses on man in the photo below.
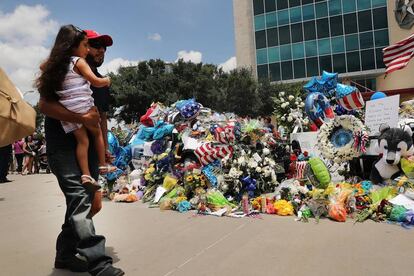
(96, 44)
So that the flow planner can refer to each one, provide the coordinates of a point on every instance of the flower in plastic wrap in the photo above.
(283, 208)
(183, 206)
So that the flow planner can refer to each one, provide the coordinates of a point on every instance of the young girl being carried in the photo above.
(67, 77)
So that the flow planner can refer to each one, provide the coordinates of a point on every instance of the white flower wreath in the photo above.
(346, 152)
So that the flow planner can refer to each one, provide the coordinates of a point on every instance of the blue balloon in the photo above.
(378, 95)
(312, 85)
(330, 81)
(317, 106)
(343, 90)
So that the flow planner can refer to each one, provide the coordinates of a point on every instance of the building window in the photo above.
(284, 34)
(379, 58)
(350, 23)
(325, 63)
(312, 67)
(364, 21)
(298, 51)
(258, 7)
(295, 15)
(274, 54)
(262, 72)
(366, 40)
(294, 3)
(380, 18)
(337, 28)
(283, 17)
(297, 32)
(308, 12)
(282, 4)
(285, 52)
(309, 30)
(368, 59)
(271, 20)
(339, 63)
(304, 2)
(338, 45)
(324, 46)
(272, 37)
(287, 72)
(352, 42)
(259, 22)
(260, 39)
(352, 61)
(321, 10)
(381, 38)
(348, 6)
(274, 69)
(270, 5)
(364, 4)
(379, 3)
(311, 48)
(335, 7)
(322, 27)
(299, 68)
(261, 56)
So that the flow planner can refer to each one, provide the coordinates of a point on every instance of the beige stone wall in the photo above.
(244, 34)
(403, 78)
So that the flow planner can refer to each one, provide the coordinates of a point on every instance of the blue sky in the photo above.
(141, 29)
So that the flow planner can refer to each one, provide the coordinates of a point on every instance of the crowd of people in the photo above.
(25, 156)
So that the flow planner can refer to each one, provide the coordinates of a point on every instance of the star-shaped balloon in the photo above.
(312, 86)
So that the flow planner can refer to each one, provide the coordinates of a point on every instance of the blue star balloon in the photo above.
(312, 85)
(330, 79)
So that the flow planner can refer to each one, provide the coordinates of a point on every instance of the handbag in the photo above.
(17, 117)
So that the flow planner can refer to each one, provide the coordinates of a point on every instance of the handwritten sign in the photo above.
(382, 111)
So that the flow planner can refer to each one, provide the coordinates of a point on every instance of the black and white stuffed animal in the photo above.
(393, 143)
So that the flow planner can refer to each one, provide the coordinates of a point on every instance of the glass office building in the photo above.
(297, 39)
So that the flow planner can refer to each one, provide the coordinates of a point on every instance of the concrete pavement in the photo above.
(148, 242)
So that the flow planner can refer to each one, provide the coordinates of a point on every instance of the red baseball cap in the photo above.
(106, 39)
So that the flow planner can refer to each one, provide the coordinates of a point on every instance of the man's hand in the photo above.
(92, 118)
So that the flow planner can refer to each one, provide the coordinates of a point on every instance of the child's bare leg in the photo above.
(82, 146)
(96, 203)
(99, 144)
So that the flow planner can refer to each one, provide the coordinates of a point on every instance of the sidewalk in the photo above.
(149, 242)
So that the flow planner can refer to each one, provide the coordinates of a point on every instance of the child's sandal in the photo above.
(90, 183)
(107, 169)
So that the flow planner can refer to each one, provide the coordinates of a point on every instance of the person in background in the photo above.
(5, 156)
(19, 154)
(28, 148)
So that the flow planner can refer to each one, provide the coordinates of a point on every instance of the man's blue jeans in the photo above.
(78, 232)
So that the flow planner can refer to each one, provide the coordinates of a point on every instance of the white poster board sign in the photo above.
(308, 141)
(382, 111)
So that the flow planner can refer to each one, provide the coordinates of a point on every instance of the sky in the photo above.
(195, 30)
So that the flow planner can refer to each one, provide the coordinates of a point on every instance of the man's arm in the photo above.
(57, 111)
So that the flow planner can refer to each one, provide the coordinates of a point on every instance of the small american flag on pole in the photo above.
(397, 56)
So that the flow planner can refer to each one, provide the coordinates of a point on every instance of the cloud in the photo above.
(113, 65)
(154, 37)
(193, 56)
(26, 25)
(23, 34)
(229, 65)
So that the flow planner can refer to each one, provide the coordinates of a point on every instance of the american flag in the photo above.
(397, 56)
